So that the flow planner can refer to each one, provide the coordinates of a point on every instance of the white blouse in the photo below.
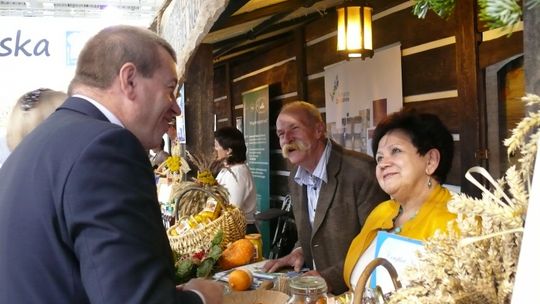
(237, 179)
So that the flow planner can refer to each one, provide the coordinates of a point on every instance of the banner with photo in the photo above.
(359, 93)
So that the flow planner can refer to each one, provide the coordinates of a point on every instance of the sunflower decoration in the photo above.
(173, 163)
(478, 264)
(205, 178)
(175, 166)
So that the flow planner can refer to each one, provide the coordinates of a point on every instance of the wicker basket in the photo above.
(231, 221)
(364, 278)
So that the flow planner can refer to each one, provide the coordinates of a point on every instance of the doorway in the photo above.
(505, 85)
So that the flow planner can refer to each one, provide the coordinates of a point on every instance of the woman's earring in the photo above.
(429, 184)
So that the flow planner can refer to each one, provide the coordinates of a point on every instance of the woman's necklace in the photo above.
(397, 230)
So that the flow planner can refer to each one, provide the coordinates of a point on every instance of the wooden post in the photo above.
(300, 50)
(200, 102)
(228, 91)
(469, 93)
(531, 45)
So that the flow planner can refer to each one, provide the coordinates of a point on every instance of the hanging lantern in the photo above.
(354, 29)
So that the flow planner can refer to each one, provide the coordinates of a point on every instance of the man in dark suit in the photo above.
(332, 191)
(79, 216)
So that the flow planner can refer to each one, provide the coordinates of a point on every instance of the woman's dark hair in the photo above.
(426, 132)
(231, 137)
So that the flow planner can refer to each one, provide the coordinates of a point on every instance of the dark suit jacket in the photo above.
(79, 217)
(344, 203)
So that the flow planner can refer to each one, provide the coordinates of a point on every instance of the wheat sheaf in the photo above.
(478, 264)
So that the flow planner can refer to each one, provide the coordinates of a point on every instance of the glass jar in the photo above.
(307, 290)
(256, 240)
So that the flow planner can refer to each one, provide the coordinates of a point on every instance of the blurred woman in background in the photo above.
(158, 155)
(235, 175)
(29, 111)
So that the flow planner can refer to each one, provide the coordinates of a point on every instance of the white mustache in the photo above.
(295, 145)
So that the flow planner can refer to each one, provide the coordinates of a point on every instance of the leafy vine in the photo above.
(496, 13)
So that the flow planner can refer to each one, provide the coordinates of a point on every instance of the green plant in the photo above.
(496, 13)
(500, 13)
(443, 8)
(200, 264)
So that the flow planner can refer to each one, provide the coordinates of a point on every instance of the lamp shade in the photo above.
(354, 29)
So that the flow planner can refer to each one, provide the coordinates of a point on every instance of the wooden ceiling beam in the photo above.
(258, 48)
(254, 44)
(275, 9)
(224, 46)
(232, 7)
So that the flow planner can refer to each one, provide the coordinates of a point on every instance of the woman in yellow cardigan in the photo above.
(414, 153)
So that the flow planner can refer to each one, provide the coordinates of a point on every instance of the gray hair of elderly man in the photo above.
(309, 110)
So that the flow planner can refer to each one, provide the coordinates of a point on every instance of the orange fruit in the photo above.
(237, 254)
(240, 279)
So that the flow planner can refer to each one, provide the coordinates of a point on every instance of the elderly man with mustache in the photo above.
(332, 191)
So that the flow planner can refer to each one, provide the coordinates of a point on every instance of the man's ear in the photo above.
(128, 80)
(319, 129)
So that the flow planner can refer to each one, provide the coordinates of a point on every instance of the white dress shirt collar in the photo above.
(110, 116)
(313, 182)
(303, 177)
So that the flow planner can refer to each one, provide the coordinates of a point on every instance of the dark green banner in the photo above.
(256, 133)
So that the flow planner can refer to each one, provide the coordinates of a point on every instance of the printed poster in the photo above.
(359, 93)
